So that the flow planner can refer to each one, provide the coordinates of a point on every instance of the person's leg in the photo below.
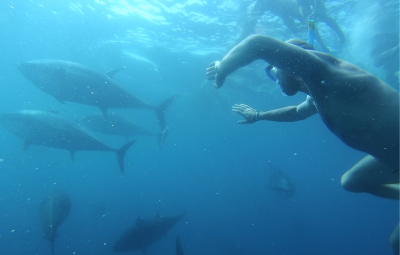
(370, 175)
(251, 19)
(333, 25)
(290, 23)
(394, 240)
(320, 42)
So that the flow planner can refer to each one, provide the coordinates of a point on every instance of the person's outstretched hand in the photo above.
(212, 74)
(247, 112)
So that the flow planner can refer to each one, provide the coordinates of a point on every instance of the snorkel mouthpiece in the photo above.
(269, 70)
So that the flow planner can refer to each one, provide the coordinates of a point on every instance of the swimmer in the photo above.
(287, 10)
(357, 107)
(316, 10)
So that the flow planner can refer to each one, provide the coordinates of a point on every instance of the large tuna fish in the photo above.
(54, 209)
(51, 130)
(145, 233)
(119, 125)
(73, 82)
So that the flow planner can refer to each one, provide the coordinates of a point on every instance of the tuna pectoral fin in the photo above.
(59, 99)
(52, 247)
(26, 145)
(179, 250)
(111, 73)
(161, 137)
(121, 154)
(161, 108)
(72, 155)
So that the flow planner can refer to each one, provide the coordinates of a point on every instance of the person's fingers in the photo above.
(239, 106)
(244, 122)
(210, 69)
(245, 106)
(237, 109)
(236, 106)
(212, 64)
(242, 107)
(210, 73)
(216, 86)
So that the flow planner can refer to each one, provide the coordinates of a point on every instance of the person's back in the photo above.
(356, 106)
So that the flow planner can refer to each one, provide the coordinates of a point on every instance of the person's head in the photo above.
(289, 83)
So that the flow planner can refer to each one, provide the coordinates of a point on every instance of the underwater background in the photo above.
(209, 166)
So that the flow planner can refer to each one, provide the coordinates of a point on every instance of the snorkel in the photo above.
(311, 28)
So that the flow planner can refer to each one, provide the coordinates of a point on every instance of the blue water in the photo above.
(210, 166)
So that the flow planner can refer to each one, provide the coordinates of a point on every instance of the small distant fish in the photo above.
(280, 183)
(145, 233)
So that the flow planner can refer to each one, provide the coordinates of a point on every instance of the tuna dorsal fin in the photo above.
(26, 145)
(111, 73)
(138, 221)
(72, 155)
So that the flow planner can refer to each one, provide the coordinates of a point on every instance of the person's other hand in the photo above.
(212, 74)
(247, 112)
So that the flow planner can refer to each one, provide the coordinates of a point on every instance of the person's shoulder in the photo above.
(309, 99)
(325, 56)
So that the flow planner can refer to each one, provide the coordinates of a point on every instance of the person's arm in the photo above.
(284, 56)
(285, 114)
(380, 59)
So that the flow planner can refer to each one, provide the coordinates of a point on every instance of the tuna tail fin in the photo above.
(179, 250)
(161, 108)
(121, 154)
(161, 137)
